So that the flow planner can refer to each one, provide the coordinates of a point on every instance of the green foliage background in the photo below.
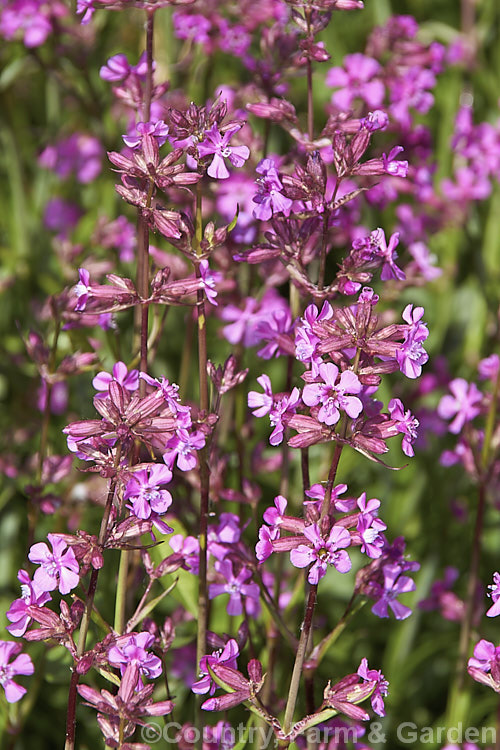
(44, 95)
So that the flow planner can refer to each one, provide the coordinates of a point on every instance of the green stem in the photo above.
(85, 623)
(121, 591)
(142, 318)
(310, 98)
(457, 693)
(299, 659)
(311, 603)
(201, 640)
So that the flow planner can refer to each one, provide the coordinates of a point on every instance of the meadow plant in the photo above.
(211, 534)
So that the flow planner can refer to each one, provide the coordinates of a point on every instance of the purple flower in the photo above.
(332, 396)
(116, 69)
(392, 166)
(22, 664)
(246, 321)
(262, 403)
(442, 598)
(192, 26)
(405, 423)
(120, 374)
(381, 687)
(82, 289)
(494, 610)
(305, 340)
(394, 585)
(484, 665)
(322, 552)
(236, 193)
(488, 368)
(218, 145)
(208, 281)
(157, 130)
(357, 80)
(226, 656)
(412, 355)
(58, 397)
(369, 527)
(61, 216)
(31, 17)
(423, 261)
(274, 516)
(144, 491)
(169, 390)
(220, 537)
(58, 568)
(317, 493)
(235, 586)
(464, 404)
(269, 198)
(264, 547)
(388, 253)
(485, 655)
(132, 649)
(80, 154)
(31, 594)
(282, 409)
(87, 8)
(182, 448)
(189, 548)
(276, 330)
(234, 40)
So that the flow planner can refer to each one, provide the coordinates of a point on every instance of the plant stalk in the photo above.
(86, 617)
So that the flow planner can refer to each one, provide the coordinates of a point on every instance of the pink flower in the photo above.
(394, 585)
(405, 423)
(381, 687)
(269, 198)
(332, 395)
(463, 404)
(87, 8)
(262, 403)
(322, 552)
(132, 649)
(235, 586)
(183, 447)
(411, 355)
(144, 491)
(31, 594)
(494, 610)
(58, 568)
(209, 280)
(358, 79)
(226, 656)
(120, 374)
(218, 145)
(22, 664)
(82, 289)
(189, 548)
(157, 130)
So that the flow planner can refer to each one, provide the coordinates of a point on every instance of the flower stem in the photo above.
(87, 613)
(142, 319)
(201, 639)
(121, 591)
(299, 658)
(311, 603)
(457, 693)
(310, 99)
